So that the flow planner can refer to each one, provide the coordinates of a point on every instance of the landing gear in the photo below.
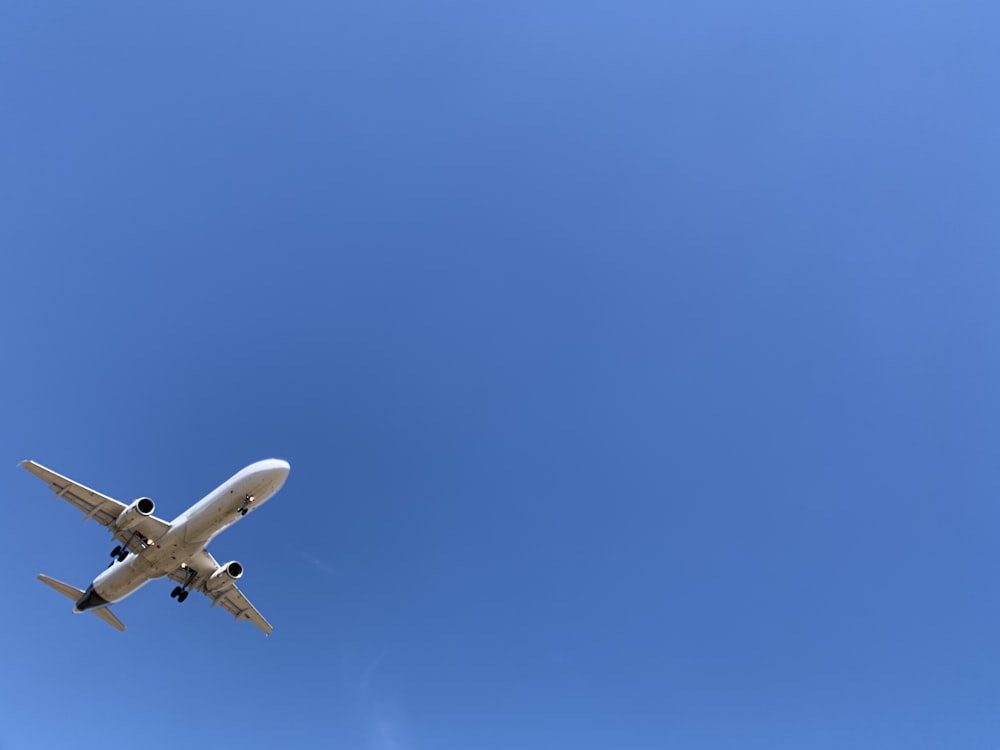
(242, 510)
(180, 593)
(121, 552)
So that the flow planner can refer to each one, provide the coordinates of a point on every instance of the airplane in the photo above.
(149, 547)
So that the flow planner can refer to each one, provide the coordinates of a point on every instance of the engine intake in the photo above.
(224, 577)
(129, 518)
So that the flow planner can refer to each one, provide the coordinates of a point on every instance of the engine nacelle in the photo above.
(224, 577)
(129, 518)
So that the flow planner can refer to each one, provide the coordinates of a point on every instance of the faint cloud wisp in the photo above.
(385, 724)
(320, 565)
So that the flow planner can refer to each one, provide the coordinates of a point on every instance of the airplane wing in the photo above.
(103, 509)
(230, 599)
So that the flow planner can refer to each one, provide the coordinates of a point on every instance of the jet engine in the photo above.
(224, 577)
(129, 518)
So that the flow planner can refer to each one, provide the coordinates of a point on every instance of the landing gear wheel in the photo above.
(123, 555)
(116, 551)
(181, 592)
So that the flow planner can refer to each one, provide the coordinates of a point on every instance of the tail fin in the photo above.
(71, 592)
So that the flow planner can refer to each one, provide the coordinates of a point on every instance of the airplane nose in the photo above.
(283, 466)
(279, 468)
(271, 465)
(273, 471)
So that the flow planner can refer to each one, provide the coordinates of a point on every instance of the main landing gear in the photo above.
(180, 593)
(121, 551)
(242, 510)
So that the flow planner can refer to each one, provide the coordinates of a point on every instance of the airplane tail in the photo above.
(65, 589)
(71, 592)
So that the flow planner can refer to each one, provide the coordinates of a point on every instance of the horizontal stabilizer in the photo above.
(71, 592)
(109, 617)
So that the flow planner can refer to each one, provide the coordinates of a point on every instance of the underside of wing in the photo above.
(233, 601)
(197, 574)
(103, 509)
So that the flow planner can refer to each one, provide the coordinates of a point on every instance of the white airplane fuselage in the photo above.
(189, 533)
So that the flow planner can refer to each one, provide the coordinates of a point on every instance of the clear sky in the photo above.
(637, 364)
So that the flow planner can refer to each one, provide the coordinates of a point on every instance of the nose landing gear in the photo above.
(242, 510)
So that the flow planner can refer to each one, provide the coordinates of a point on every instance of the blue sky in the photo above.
(637, 365)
